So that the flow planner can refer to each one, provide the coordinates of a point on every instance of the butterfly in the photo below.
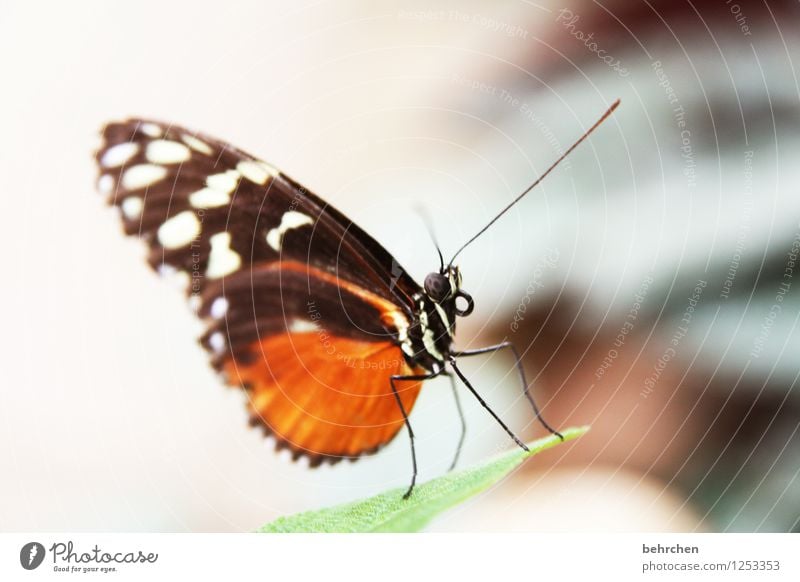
(330, 338)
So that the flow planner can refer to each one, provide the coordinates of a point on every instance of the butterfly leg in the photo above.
(399, 378)
(460, 416)
(483, 403)
(521, 370)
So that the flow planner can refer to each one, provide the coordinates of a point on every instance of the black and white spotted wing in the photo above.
(186, 193)
(299, 300)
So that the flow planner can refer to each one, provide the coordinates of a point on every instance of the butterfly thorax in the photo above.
(430, 336)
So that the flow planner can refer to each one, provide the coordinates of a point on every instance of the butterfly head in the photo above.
(444, 287)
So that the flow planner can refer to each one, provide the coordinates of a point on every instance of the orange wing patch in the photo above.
(323, 396)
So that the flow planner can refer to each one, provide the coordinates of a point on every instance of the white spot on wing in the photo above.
(105, 184)
(258, 172)
(218, 192)
(179, 231)
(166, 270)
(217, 342)
(222, 260)
(164, 151)
(209, 198)
(197, 145)
(219, 308)
(151, 129)
(142, 175)
(302, 326)
(132, 207)
(224, 182)
(289, 220)
(118, 154)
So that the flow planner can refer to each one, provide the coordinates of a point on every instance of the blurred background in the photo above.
(651, 282)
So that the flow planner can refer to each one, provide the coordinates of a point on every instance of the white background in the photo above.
(110, 417)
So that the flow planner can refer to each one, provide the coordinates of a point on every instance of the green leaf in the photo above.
(389, 512)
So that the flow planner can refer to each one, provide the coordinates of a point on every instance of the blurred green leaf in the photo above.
(389, 512)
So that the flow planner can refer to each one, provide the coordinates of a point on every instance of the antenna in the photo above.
(539, 179)
(426, 219)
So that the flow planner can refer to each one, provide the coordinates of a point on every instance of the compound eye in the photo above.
(437, 287)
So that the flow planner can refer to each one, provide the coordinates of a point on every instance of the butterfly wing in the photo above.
(304, 309)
